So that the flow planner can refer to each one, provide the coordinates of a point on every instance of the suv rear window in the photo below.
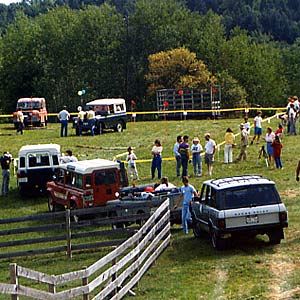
(249, 196)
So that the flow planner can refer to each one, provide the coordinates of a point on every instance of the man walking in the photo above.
(20, 119)
(187, 194)
(5, 161)
(64, 117)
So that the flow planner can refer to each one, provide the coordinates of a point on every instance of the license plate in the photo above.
(24, 179)
(252, 219)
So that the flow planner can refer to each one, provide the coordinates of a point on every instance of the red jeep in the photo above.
(86, 183)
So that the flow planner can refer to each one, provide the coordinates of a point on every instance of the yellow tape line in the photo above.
(179, 111)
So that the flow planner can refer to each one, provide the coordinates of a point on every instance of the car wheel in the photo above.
(51, 204)
(196, 229)
(72, 207)
(217, 242)
(116, 225)
(119, 127)
(275, 236)
(141, 222)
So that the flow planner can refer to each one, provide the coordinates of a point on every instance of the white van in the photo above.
(37, 165)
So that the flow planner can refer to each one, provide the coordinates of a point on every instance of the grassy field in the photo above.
(189, 268)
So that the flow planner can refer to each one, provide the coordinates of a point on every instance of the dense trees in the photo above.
(106, 50)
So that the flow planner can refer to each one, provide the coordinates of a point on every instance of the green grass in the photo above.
(189, 268)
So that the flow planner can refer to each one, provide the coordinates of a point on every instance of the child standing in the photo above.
(279, 131)
(196, 149)
(277, 146)
(132, 170)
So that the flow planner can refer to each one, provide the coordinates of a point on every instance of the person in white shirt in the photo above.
(68, 157)
(64, 117)
(292, 118)
(132, 170)
(164, 185)
(156, 160)
(80, 120)
(196, 149)
(210, 149)
(270, 136)
(247, 124)
(257, 127)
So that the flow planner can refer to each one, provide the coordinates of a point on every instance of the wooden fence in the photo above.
(120, 270)
(61, 231)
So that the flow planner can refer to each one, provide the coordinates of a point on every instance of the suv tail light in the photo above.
(221, 223)
(282, 216)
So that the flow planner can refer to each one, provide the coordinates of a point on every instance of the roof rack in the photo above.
(237, 179)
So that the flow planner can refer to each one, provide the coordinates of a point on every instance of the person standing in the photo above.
(64, 117)
(247, 124)
(277, 146)
(244, 143)
(196, 149)
(156, 160)
(229, 142)
(292, 118)
(80, 120)
(184, 153)
(177, 154)
(210, 149)
(91, 120)
(20, 119)
(187, 193)
(5, 161)
(257, 127)
(132, 170)
(270, 135)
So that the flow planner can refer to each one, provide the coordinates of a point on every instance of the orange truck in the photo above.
(34, 111)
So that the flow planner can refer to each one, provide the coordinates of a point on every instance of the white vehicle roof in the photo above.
(88, 166)
(31, 99)
(108, 101)
(238, 181)
(52, 148)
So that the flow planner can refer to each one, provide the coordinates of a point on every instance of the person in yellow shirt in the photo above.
(91, 120)
(229, 144)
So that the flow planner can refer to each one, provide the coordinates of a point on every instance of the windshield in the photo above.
(29, 105)
(250, 197)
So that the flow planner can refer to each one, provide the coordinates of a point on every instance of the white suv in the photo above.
(239, 206)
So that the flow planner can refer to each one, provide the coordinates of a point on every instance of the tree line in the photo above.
(105, 50)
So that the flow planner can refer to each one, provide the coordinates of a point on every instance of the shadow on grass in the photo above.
(201, 248)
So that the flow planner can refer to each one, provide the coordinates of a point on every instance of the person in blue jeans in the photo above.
(184, 153)
(187, 194)
(177, 154)
(64, 117)
(156, 160)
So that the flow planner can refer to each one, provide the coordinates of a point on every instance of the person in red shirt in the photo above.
(277, 146)
(279, 131)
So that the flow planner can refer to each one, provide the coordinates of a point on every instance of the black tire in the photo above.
(99, 128)
(196, 229)
(73, 206)
(51, 204)
(275, 236)
(117, 225)
(216, 241)
(119, 127)
(141, 222)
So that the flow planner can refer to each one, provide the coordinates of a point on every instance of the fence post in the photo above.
(68, 233)
(85, 281)
(13, 279)
(52, 288)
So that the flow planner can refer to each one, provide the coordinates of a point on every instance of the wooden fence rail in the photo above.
(124, 266)
(63, 232)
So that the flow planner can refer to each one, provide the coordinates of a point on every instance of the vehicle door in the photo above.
(105, 183)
